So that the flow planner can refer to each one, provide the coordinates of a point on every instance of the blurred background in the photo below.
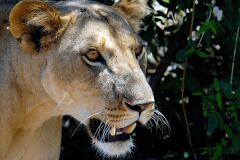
(194, 71)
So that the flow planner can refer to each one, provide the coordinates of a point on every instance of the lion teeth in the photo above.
(113, 131)
(118, 133)
(130, 128)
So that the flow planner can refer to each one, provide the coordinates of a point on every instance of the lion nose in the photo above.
(140, 107)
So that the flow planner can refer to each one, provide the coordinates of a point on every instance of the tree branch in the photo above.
(183, 88)
(234, 55)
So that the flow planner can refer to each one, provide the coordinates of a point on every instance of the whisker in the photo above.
(160, 122)
(171, 109)
(79, 123)
(105, 131)
(97, 132)
(163, 120)
(102, 133)
(156, 123)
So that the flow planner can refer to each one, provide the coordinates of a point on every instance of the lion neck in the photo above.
(32, 98)
(26, 105)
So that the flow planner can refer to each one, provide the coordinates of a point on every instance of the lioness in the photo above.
(71, 58)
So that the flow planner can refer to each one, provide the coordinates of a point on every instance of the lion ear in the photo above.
(133, 10)
(36, 25)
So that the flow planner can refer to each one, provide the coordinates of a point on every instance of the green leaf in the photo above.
(204, 152)
(184, 53)
(207, 40)
(220, 120)
(166, 1)
(205, 111)
(190, 51)
(208, 25)
(217, 151)
(197, 94)
(211, 97)
(234, 114)
(219, 26)
(219, 100)
(214, 30)
(236, 145)
(205, 26)
(228, 131)
(212, 122)
(237, 94)
(216, 85)
(227, 90)
(180, 55)
(202, 54)
(224, 142)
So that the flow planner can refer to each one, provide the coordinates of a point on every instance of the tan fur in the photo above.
(53, 79)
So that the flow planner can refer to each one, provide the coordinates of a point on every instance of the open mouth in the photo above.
(105, 133)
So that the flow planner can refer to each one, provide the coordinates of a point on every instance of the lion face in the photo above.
(95, 70)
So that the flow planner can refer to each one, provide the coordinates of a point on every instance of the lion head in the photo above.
(93, 65)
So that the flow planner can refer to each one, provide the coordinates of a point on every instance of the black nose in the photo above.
(139, 107)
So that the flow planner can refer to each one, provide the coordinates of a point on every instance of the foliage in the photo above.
(212, 98)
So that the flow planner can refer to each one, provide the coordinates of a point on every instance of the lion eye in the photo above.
(93, 58)
(139, 51)
(92, 55)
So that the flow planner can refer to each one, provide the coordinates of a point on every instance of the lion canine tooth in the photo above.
(113, 131)
(130, 128)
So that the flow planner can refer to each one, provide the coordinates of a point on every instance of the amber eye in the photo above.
(93, 58)
(92, 55)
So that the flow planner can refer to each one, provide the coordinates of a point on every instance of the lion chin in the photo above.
(113, 149)
(111, 142)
